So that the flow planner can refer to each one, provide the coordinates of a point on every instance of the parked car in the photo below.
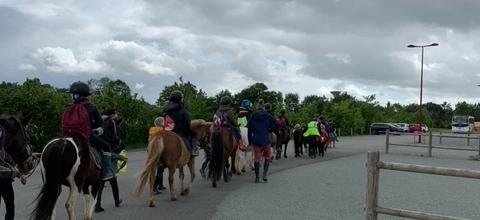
(412, 128)
(381, 128)
(403, 126)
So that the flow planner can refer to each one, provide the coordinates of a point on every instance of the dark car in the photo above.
(381, 128)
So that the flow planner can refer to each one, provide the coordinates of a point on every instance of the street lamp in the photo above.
(421, 86)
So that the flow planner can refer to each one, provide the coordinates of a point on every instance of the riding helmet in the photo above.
(225, 100)
(176, 96)
(80, 88)
(246, 104)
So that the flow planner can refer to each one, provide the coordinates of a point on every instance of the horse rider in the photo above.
(311, 135)
(176, 113)
(244, 113)
(79, 93)
(7, 175)
(259, 127)
(225, 119)
(110, 115)
(159, 126)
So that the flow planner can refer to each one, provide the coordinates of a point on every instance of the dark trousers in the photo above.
(312, 146)
(115, 192)
(6, 193)
(159, 178)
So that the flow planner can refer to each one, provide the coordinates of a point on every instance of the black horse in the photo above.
(15, 152)
(113, 136)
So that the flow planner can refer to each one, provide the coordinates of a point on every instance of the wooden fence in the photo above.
(430, 144)
(373, 170)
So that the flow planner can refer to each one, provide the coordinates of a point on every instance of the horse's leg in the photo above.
(285, 149)
(151, 184)
(191, 168)
(181, 176)
(72, 197)
(171, 172)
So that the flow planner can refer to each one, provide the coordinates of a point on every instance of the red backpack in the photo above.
(169, 123)
(75, 121)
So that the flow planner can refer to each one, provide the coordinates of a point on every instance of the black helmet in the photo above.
(80, 88)
(225, 100)
(268, 106)
(176, 96)
(282, 111)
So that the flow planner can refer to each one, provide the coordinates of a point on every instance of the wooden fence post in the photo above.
(372, 185)
(351, 131)
(387, 141)
(430, 138)
(339, 132)
(440, 138)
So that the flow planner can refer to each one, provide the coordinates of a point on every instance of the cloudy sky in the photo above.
(307, 47)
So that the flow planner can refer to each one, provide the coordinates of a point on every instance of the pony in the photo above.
(169, 149)
(72, 162)
(283, 139)
(16, 144)
(298, 140)
(244, 157)
(273, 145)
(224, 146)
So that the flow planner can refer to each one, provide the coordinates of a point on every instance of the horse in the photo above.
(169, 149)
(298, 140)
(283, 139)
(224, 146)
(244, 157)
(15, 141)
(273, 145)
(72, 162)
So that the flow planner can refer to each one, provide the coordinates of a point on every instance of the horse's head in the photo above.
(17, 143)
(202, 130)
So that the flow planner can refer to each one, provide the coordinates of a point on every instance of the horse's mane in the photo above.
(196, 123)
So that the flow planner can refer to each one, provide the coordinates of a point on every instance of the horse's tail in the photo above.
(155, 149)
(217, 162)
(53, 173)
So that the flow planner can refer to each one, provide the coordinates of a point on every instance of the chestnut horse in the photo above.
(224, 147)
(169, 149)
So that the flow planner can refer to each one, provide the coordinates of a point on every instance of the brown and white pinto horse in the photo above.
(71, 162)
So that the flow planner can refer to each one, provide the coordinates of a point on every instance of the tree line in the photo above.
(46, 104)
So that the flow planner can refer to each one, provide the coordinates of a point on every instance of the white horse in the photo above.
(244, 158)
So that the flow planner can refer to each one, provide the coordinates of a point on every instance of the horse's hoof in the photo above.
(151, 204)
(185, 192)
(243, 170)
(214, 185)
(174, 199)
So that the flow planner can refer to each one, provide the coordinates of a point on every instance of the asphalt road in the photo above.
(299, 188)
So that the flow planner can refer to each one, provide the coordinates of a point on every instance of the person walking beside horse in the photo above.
(311, 135)
(259, 128)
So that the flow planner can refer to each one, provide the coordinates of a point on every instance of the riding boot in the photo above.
(98, 205)
(115, 192)
(195, 150)
(265, 170)
(257, 172)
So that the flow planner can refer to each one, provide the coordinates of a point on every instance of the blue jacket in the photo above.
(259, 127)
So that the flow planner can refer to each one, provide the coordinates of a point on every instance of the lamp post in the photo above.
(420, 119)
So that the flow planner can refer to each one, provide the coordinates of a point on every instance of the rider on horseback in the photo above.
(245, 113)
(228, 120)
(174, 111)
(80, 91)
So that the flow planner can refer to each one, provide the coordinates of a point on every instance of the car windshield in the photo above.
(459, 121)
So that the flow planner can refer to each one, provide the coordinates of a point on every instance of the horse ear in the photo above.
(25, 118)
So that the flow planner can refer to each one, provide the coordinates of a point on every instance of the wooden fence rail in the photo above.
(430, 145)
(373, 170)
